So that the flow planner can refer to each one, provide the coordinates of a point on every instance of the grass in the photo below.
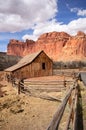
(83, 95)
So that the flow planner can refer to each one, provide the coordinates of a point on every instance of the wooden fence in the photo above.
(70, 98)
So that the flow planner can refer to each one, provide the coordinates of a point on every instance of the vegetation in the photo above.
(69, 65)
(7, 60)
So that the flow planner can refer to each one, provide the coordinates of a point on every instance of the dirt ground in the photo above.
(29, 112)
(24, 112)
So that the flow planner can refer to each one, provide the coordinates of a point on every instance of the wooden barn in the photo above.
(33, 65)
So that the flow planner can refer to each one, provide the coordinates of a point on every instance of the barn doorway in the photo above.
(43, 66)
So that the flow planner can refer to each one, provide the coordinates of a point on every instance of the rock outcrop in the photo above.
(59, 46)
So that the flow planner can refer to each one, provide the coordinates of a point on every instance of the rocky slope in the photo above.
(59, 46)
(7, 60)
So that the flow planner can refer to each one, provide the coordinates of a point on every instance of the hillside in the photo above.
(59, 46)
(7, 60)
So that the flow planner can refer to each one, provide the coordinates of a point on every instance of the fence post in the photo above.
(65, 84)
(71, 101)
(54, 124)
(19, 86)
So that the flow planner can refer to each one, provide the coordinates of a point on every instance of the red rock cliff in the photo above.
(57, 45)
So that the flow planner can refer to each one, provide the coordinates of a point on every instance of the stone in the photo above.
(59, 46)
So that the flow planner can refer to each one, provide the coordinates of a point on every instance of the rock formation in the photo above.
(59, 46)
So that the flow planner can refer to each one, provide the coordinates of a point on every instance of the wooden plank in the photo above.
(75, 110)
(69, 117)
(59, 113)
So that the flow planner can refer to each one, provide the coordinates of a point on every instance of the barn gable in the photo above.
(36, 64)
(24, 61)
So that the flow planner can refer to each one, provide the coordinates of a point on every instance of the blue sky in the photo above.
(28, 19)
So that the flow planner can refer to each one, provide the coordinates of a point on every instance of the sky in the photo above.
(28, 19)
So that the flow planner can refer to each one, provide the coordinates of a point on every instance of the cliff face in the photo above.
(15, 47)
(58, 46)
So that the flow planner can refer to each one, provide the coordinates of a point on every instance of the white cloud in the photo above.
(16, 15)
(77, 25)
(78, 11)
(81, 12)
(30, 37)
(72, 28)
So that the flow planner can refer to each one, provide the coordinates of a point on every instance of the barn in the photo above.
(34, 65)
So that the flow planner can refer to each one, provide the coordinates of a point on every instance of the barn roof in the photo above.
(24, 61)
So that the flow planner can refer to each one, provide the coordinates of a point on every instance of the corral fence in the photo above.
(55, 85)
(71, 99)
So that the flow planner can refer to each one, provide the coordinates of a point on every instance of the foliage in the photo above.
(69, 65)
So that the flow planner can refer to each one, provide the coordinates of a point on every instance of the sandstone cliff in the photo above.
(59, 46)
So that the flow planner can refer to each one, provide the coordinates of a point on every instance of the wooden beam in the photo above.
(59, 113)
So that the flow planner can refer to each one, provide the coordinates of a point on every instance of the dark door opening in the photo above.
(43, 66)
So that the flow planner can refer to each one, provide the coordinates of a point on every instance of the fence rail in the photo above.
(71, 98)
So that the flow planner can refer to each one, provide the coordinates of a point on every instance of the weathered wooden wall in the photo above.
(35, 68)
